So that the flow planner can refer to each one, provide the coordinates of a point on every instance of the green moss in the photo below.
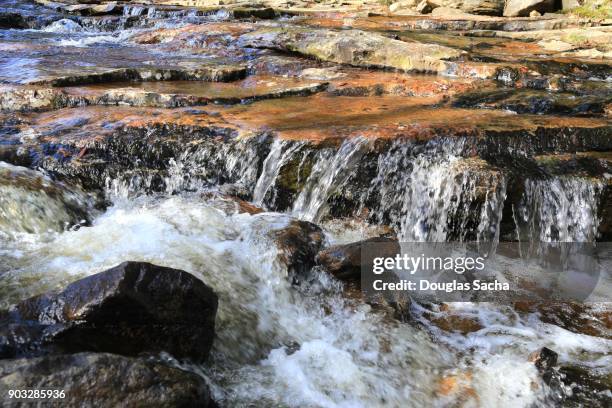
(596, 9)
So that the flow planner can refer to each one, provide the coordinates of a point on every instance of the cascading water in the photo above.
(329, 172)
(429, 193)
(560, 209)
(464, 197)
(281, 152)
(314, 346)
(207, 165)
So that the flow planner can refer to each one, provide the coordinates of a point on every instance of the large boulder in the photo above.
(354, 47)
(105, 380)
(522, 8)
(132, 308)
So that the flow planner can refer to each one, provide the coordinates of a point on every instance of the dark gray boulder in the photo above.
(104, 380)
(133, 308)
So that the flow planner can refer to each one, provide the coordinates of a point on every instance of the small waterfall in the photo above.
(329, 172)
(560, 209)
(130, 10)
(430, 193)
(280, 154)
(204, 166)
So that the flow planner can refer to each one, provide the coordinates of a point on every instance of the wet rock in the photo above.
(34, 203)
(299, 244)
(195, 35)
(132, 308)
(588, 388)
(322, 117)
(590, 320)
(425, 7)
(266, 13)
(94, 9)
(214, 73)
(106, 380)
(229, 203)
(456, 323)
(170, 94)
(345, 261)
(12, 21)
(15, 98)
(544, 359)
(480, 7)
(353, 47)
(534, 101)
(515, 8)
(95, 144)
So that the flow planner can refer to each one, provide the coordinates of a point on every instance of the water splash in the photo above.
(32, 203)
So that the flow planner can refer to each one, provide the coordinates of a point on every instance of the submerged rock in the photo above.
(106, 380)
(133, 308)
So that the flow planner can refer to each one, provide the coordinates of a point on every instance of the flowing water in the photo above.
(560, 209)
(280, 345)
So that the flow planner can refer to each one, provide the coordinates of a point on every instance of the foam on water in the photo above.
(277, 344)
(63, 26)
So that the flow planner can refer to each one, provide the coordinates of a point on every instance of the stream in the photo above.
(87, 182)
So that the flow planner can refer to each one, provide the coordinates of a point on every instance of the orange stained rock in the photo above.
(320, 117)
(316, 118)
(396, 83)
(87, 124)
(169, 34)
(458, 386)
(456, 323)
